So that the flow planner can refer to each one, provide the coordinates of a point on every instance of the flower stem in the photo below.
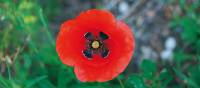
(121, 83)
(8, 68)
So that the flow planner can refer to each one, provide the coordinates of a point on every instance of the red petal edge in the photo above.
(70, 43)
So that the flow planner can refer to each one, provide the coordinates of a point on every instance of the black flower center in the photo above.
(95, 45)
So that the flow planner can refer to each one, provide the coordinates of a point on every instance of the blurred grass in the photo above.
(28, 58)
(24, 26)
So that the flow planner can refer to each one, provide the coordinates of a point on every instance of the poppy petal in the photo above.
(118, 39)
(119, 58)
(68, 43)
(95, 19)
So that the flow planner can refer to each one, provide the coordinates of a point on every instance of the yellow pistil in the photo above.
(95, 44)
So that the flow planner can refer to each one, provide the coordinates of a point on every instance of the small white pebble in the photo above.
(170, 43)
(2, 18)
(166, 55)
(146, 51)
(151, 13)
(123, 7)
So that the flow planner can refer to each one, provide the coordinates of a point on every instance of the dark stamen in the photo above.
(89, 36)
(104, 52)
(95, 45)
(103, 36)
(87, 53)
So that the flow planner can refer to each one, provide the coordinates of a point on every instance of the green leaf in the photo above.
(46, 84)
(180, 56)
(3, 83)
(49, 57)
(182, 3)
(148, 68)
(165, 78)
(186, 79)
(136, 81)
(34, 81)
(194, 72)
(190, 29)
(65, 77)
(198, 46)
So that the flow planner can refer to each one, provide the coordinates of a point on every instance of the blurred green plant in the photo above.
(27, 48)
(182, 71)
(28, 58)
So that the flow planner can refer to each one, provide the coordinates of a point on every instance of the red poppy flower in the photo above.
(96, 44)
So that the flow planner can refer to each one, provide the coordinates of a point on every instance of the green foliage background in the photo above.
(28, 58)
